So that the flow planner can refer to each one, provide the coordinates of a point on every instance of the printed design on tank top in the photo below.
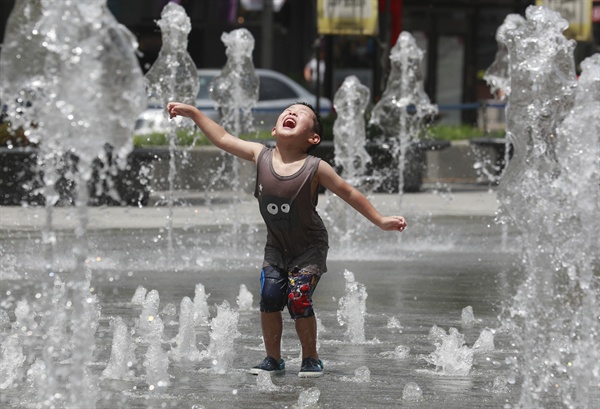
(279, 212)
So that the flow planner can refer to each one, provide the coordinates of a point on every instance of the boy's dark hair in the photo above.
(318, 128)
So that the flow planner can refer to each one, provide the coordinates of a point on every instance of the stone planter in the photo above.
(386, 165)
(210, 169)
(21, 180)
(475, 161)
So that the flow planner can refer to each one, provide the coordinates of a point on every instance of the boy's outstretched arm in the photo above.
(332, 181)
(216, 133)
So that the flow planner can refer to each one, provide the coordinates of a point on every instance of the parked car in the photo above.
(276, 92)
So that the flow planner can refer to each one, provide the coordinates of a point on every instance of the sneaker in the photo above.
(269, 365)
(311, 368)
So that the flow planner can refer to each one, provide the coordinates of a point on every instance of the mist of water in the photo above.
(550, 192)
(76, 89)
(497, 75)
(235, 89)
(122, 355)
(404, 106)
(173, 77)
(353, 308)
(349, 130)
(186, 345)
(451, 356)
(351, 159)
(222, 336)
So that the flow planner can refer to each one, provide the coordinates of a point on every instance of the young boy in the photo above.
(295, 254)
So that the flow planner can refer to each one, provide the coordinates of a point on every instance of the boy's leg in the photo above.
(302, 286)
(306, 328)
(273, 296)
(272, 328)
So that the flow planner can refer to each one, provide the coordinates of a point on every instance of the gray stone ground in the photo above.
(199, 209)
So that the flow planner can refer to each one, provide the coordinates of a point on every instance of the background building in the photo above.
(457, 35)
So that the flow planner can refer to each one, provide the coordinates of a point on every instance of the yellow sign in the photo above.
(577, 12)
(350, 17)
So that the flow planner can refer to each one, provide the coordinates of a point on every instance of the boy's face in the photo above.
(296, 122)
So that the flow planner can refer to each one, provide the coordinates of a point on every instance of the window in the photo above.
(204, 87)
(271, 88)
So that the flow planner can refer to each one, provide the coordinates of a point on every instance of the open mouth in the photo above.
(289, 123)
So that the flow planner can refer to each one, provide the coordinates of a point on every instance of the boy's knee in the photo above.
(300, 303)
(271, 302)
(273, 290)
(300, 308)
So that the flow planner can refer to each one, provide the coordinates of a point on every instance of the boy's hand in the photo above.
(176, 108)
(393, 223)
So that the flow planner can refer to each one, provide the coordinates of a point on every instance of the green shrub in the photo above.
(188, 138)
(11, 137)
(458, 132)
(197, 138)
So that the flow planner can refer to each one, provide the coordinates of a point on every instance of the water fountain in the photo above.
(173, 77)
(235, 93)
(76, 122)
(497, 75)
(224, 332)
(235, 89)
(353, 308)
(443, 266)
(349, 130)
(404, 107)
(550, 192)
(351, 159)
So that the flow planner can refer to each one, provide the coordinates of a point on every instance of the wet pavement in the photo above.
(216, 209)
(453, 255)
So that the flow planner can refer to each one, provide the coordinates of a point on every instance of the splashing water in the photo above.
(412, 392)
(173, 77)
(485, 342)
(394, 323)
(186, 337)
(235, 89)
(12, 360)
(76, 89)
(309, 398)
(244, 299)
(467, 317)
(122, 355)
(349, 136)
(148, 314)
(497, 76)
(156, 360)
(451, 356)
(352, 309)
(139, 296)
(47, 66)
(223, 333)
(500, 385)
(235, 92)
(362, 375)
(550, 192)
(76, 92)
(401, 352)
(404, 105)
(264, 383)
(201, 312)
(352, 158)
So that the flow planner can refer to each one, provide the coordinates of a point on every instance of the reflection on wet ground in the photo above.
(424, 279)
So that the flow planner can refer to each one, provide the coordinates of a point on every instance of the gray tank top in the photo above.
(296, 235)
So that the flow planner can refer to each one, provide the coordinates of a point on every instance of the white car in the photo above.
(276, 92)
